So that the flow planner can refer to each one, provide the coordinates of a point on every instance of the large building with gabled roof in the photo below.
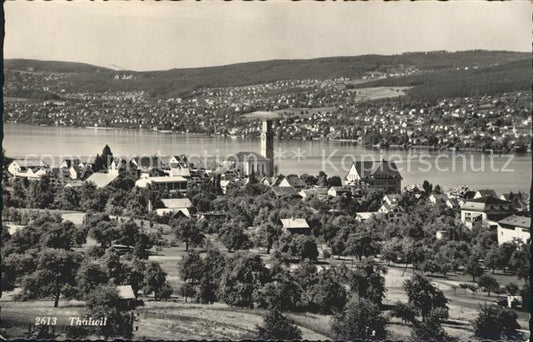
(381, 175)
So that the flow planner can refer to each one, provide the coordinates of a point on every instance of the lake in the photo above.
(502, 173)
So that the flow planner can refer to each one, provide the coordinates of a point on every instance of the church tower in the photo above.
(267, 144)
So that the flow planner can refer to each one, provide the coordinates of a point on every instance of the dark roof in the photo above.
(516, 221)
(285, 191)
(295, 181)
(147, 162)
(489, 200)
(377, 169)
(487, 193)
(72, 162)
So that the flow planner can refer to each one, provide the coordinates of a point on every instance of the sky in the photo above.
(163, 35)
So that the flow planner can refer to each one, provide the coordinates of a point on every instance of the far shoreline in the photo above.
(355, 142)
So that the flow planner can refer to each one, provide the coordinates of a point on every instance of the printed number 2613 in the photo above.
(45, 320)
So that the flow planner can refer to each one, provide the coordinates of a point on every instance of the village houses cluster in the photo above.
(173, 175)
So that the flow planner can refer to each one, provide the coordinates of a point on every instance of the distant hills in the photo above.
(445, 73)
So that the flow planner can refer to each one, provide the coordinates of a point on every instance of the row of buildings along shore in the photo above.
(173, 175)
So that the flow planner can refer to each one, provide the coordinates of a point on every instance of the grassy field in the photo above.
(374, 93)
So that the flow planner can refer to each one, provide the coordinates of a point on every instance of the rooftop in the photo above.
(176, 202)
(292, 223)
(516, 221)
(101, 180)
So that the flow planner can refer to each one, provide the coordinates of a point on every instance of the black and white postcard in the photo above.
(266, 170)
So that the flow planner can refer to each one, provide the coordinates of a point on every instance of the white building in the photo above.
(514, 227)
(174, 205)
(171, 183)
(29, 168)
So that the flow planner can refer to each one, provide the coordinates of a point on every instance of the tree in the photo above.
(360, 320)
(306, 247)
(105, 302)
(90, 275)
(494, 321)
(266, 236)
(41, 193)
(19, 193)
(494, 259)
(326, 295)
(243, 274)
(68, 198)
(519, 261)
(214, 263)
(187, 231)
(361, 244)
(9, 275)
(154, 279)
(59, 235)
(282, 293)
(104, 232)
(424, 295)
(367, 281)
(142, 247)
(278, 327)
(512, 289)
(473, 268)
(334, 181)
(322, 179)
(405, 311)
(488, 282)
(191, 267)
(207, 289)
(187, 290)
(127, 233)
(233, 236)
(55, 273)
(427, 186)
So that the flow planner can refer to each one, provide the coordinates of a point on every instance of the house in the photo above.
(434, 198)
(514, 227)
(174, 205)
(179, 166)
(519, 201)
(126, 292)
(319, 193)
(149, 165)
(441, 234)
(295, 226)
(390, 198)
(73, 168)
(248, 163)
(364, 215)
(171, 183)
(176, 161)
(339, 191)
(485, 193)
(120, 166)
(382, 175)
(484, 209)
(101, 180)
(29, 168)
(224, 185)
(292, 181)
(287, 191)
(453, 203)
(267, 181)
(393, 212)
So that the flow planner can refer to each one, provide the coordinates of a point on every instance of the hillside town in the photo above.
(311, 109)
